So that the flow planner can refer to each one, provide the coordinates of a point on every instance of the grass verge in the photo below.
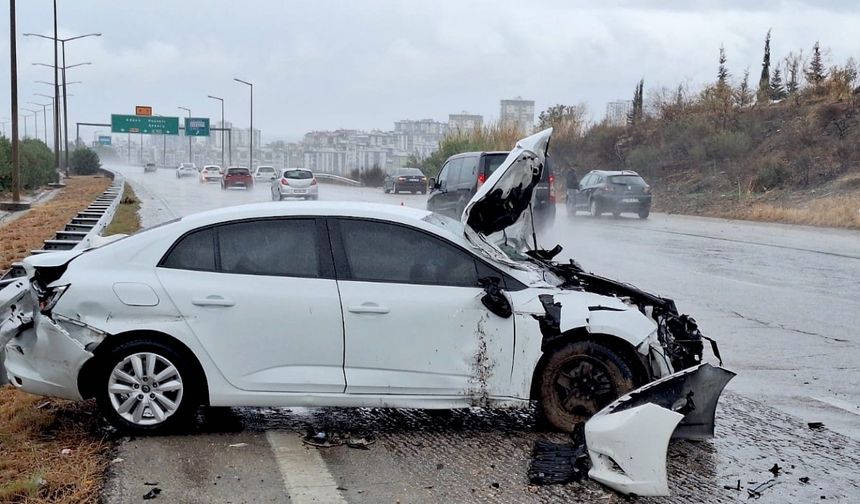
(19, 237)
(836, 211)
(51, 451)
(126, 220)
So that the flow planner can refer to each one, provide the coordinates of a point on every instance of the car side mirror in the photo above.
(494, 299)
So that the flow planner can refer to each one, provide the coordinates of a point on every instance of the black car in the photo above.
(405, 179)
(612, 192)
(463, 174)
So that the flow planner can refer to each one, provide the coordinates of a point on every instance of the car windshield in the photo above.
(265, 169)
(298, 174)
(237, 171)
(633, 180)
(409, 171)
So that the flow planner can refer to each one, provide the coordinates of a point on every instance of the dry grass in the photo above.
(35, 432)
(835, 211)
(22, 235)
(126, 220)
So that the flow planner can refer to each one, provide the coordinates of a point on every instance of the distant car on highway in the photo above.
(186, 169)
(237, 176)
(264, 173)
(149, 167)
(210, 173)
(405, 179)
(463, 174)
(614, 192)
(295, 183)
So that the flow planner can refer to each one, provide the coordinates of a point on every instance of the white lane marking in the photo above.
(305, 474)
(838, 403)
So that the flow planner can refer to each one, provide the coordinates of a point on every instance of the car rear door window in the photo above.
(194, 251)
(469, 171)
(382, 252)
(277, 247)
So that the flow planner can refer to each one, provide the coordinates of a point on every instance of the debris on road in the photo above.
(238, 445)
(815, 425)
(361, 443)
(554, 463)
(152, 494)
(775, 470)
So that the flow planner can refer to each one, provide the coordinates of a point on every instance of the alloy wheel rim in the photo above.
(584, 386)
(145, 388)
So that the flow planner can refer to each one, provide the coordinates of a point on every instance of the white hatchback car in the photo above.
(186, 170)
(295, 183)
(210, 173)
(265, 173)
(388, 307)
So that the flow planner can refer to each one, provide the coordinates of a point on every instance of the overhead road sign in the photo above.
(196, 126)
(158, 125)
(104, 139)
(143, 110)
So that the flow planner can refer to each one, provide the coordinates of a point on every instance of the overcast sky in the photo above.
(322, 64)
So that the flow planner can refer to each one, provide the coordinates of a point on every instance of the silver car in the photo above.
(295, 183)
(186, 170)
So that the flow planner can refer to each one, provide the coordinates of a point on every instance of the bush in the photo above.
(644, 159)
(729, 144)
(36, 160)
(769, 174)
(84, 161)
(372, 177)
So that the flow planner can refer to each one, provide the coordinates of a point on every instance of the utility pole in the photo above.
(186, 133)
(56, 98)
(222, 128)
(251, 152)
(44, 118)
(13, 53)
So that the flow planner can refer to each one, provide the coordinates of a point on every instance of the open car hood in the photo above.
(501, 210)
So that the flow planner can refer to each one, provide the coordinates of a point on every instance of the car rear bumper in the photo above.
(626, 203)
(298, 191)
(238, 183)
(410, 186)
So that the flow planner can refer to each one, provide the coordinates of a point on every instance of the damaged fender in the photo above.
(627, 441)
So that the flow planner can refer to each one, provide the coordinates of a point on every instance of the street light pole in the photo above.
(13, 53)
(186, 133)
(44, 117)
(35, 121)
(251, 153)
(222, 128)
(56, 98)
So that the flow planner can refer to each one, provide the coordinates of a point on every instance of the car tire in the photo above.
(594, 208)
(644, 213)
(580, 378)
(616, 214)
(424, 191)
(117, 371)
(395, 189)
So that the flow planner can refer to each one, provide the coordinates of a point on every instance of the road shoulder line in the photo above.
(306, 477)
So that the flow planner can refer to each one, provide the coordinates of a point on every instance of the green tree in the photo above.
(743, 95)
(816, 73)
(777, 90)
(722, 71)
(36, 163)
(764, 80)
(569, 119)
(792, 68)
(84, 161)
(637, 112)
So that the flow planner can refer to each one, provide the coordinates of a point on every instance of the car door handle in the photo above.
(368, 308)
(212, 300)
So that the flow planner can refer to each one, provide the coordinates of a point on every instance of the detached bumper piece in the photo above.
(627, 441)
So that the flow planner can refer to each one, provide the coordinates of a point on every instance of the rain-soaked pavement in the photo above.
(783, 301)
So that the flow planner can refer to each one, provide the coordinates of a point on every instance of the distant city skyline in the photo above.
(323, 65)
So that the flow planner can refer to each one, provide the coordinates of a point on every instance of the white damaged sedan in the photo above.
(352, 305)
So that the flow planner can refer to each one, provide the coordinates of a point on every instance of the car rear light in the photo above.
(284, 182)
(401, 179)
(314, 181)
(48, 296)
(551, 180)
(481, 179)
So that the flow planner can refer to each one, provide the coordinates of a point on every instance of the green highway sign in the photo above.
(104, 139)
(196, 126)
(147, 125)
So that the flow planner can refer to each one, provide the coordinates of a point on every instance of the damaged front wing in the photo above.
(627, 441)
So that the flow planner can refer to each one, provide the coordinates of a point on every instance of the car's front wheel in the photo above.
(579, 379)
(147, 387)
(644, 212)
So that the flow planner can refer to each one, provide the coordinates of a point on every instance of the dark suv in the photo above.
(463, 174)
(612, 192)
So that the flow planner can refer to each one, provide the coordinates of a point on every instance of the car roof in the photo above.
(614, 172)
(477, 153)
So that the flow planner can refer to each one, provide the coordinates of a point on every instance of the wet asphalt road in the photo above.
(783, 301)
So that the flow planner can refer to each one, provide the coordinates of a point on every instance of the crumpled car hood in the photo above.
(500, 210)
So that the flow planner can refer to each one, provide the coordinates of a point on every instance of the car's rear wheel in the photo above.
(147, 387)
(579, 379)
(595, 209)
(644, 212)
